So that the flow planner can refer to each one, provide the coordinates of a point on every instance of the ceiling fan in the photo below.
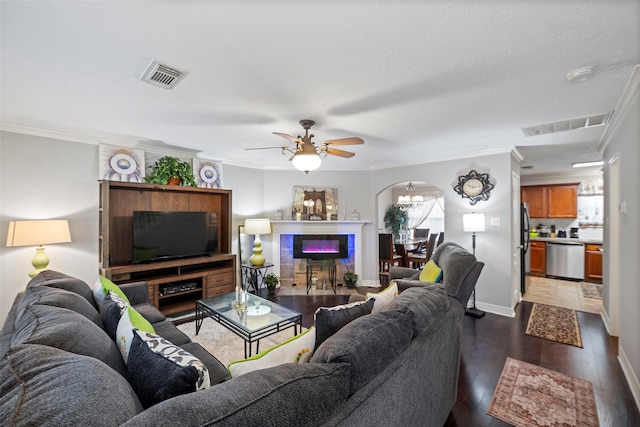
(306, 154)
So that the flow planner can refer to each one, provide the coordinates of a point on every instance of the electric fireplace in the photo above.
(320, 246)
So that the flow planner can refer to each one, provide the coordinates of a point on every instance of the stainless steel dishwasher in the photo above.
(565, 259)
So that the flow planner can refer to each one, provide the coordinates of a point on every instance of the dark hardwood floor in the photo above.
(488, 341)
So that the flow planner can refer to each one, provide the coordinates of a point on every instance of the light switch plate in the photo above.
(495, 221)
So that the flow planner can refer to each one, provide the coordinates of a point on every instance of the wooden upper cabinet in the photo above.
(536, 200)
(562, 201)
(551, 201)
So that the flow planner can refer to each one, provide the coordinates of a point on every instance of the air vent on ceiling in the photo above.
(161, 75)
(571, 124)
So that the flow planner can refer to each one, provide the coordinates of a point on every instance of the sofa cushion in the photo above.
(430, 272)
(382, 298)
(329, 320)
(369, 344)
(217, 371)
(67, 330)
(9, 327)
(55, 279)
(129, 321)
(289, 351)
(426, 303)
(168, 330)
(286, 395)
(159, 370)
(45, 295)
(42, 385)
(456, 264)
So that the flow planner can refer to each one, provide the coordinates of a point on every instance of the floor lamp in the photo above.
(472, 223)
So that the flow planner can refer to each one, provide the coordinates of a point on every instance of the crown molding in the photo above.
(628, 98)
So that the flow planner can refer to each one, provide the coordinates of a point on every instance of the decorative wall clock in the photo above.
(474, 186)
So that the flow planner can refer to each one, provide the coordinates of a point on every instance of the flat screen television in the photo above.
(168, 235)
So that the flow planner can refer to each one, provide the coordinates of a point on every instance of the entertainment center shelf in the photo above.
(175, 284)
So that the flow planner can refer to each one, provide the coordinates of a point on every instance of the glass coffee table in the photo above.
(261, 318)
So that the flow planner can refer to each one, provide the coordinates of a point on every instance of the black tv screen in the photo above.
(166, 235)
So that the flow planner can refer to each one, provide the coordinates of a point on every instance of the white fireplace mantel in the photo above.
(318, 227)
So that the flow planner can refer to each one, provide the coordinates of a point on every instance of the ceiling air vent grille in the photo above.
(162, 76)
(571, 124)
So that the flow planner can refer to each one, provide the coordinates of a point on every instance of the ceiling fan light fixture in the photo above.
(306, 161)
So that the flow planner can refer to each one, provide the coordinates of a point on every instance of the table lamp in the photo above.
(257, 226)
(38, 232)
(472, 223)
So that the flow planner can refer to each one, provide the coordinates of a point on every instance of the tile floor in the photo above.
(561, 293)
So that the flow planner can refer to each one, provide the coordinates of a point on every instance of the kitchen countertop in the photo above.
(566, 239)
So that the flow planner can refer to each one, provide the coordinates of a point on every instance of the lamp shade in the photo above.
(257, 226)
(473, 222)
(38, 232)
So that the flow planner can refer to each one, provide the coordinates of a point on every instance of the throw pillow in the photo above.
(294, 350)
(158, 370)
(102, 286)
(129, 321)
(382, 298)
(431, 272)
(329, 320)
(111, 311)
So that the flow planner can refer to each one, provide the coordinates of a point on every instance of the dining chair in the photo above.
(440, 238)
(431, 245)
(386, 256)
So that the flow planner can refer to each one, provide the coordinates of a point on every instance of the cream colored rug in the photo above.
(224, 344)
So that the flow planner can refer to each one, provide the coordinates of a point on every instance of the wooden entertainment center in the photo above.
(173, 285)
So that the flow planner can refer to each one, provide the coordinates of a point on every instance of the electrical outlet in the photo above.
(495, 221)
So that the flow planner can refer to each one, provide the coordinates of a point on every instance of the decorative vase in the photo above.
(173, 180)
(350, 284)
(272, 290)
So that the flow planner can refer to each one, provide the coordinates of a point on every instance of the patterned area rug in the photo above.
(532, 396)
(591, 290)
(226, 346)
(554, 323)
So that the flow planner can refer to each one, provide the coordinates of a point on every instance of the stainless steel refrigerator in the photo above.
(525, 225)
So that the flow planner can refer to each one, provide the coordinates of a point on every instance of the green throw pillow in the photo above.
(431, 273)
(104, 285)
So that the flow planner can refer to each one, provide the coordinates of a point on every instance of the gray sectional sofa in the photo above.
(397, 367)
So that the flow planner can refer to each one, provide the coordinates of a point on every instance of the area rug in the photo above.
(591, 290)
(532, 396)
(554, 323)
(226, 346)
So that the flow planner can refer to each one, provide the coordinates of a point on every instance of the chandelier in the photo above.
(410, 200)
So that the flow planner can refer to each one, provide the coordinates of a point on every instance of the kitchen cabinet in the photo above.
(534, 197)
(551, 201)
(538, 252)
(593, 263)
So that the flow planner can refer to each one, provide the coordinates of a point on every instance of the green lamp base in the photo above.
(39, 262)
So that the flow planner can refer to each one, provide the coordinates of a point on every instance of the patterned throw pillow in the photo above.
(295, 350)
(431, 272)
(111, 311)
(102, 286)
(329, 320)
(383, 298)
(158, 370)
(129, 321)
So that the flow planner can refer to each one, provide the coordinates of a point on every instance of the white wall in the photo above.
(621, 140)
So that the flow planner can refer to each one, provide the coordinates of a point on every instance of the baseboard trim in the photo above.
(632, 379)
(496, 309)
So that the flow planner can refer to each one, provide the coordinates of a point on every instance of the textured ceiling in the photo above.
(418, 81)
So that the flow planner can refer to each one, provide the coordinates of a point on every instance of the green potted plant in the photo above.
(171, 170)
(395, 217)
(271, 280)
(350, 278)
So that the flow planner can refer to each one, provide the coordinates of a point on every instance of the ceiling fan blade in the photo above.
(340, 153)
(289, 137)
(344, 141)
(265, 148)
